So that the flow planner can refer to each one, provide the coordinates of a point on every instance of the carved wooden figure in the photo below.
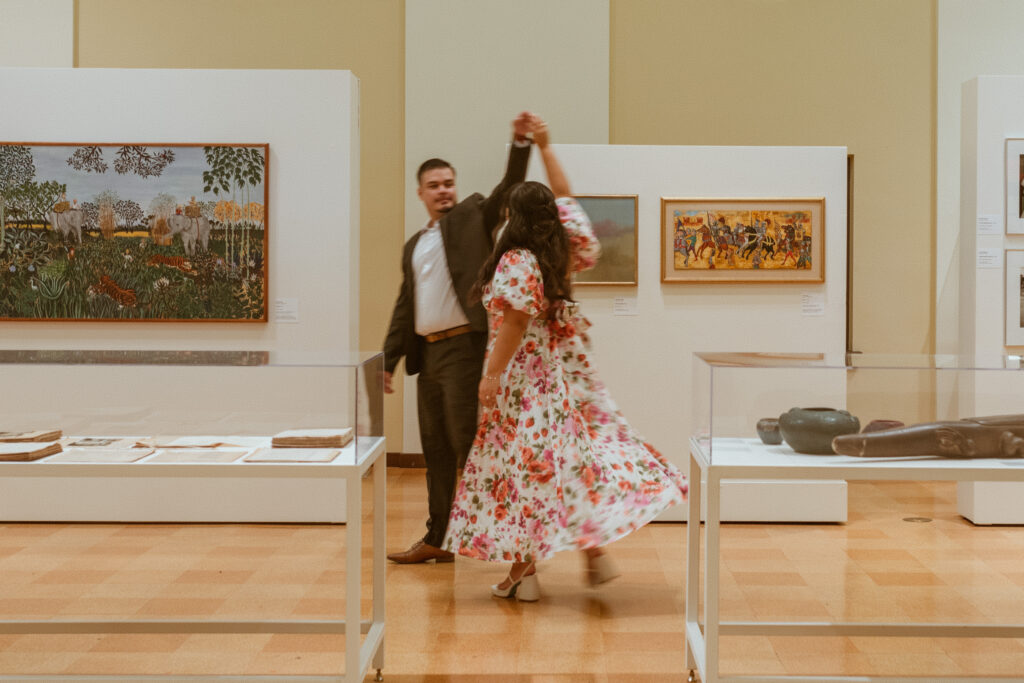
(997, 436)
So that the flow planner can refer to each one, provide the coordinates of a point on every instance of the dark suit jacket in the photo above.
(467, 232)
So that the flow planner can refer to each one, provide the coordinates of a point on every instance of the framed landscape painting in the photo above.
(614, 218)
(1014, 297)
(743, 240)
(133, 232)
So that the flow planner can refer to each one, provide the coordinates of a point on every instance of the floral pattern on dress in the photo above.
(554, 465)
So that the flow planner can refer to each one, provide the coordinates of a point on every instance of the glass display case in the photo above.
(152, 435)
(202, 436)
(733, 392)
(874, 418)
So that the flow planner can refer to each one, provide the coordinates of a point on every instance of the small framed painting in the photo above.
(743, 240)
(614, 218)
(1014, 297)
(1015, 186)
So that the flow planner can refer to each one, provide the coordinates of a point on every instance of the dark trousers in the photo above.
(446, 397)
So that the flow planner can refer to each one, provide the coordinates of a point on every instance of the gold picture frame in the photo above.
(743, 240)
(614, 218)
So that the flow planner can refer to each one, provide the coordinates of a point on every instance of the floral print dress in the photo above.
(554, 465)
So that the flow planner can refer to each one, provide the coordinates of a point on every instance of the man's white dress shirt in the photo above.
(437, 307)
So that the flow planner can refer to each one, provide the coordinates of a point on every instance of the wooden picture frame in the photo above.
(1015, 186)
(614, 219)
(140, 232)
(742, 240)
(1014, 264)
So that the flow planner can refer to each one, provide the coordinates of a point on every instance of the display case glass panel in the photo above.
(179, 399)
(896, 398)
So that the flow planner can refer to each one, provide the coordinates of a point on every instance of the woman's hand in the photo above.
(487, 392)
(540, 131)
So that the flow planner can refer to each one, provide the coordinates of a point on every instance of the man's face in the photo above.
(437, 191)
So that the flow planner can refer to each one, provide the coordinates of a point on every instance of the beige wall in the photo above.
(803, 72)
(470, 66)
(364, 37)
(37, 33)
(731, 72)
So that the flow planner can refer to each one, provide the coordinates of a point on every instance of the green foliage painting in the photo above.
(174, 232)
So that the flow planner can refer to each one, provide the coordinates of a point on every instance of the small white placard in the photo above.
(625, 305)
(286, 310)
(812, 303)
(989, 224)
(990, 258)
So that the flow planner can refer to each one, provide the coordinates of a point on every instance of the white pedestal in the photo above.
(775, 500)
(991, 502)
(730, 462)
(180, 492)
(752, 500)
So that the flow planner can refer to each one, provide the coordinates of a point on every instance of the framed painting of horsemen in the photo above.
(1015, 186)
(742, 240)
(133, 232)
(614, 219)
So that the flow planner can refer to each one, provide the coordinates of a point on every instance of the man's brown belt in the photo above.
(450, 332)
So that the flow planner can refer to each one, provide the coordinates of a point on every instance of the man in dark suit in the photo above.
(442, 331)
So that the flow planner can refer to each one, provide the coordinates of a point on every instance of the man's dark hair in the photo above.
(429, 165)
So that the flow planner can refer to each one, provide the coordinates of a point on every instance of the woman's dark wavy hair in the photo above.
(533, 224)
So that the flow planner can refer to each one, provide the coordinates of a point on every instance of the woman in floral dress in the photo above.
(554, 465)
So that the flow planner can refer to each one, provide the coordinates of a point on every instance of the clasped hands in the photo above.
(529, 125)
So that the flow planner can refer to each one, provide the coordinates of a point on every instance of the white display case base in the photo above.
(771, 500)
(753, 500)
(730, 462)
(990, 502)
(171, 492)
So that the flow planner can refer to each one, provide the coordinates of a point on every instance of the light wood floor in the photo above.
(443, 626)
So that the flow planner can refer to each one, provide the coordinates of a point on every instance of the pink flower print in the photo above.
(537, 529)
(484, 544)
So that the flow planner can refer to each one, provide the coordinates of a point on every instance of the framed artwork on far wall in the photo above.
(614, 217)
(743, 240)
(133, 232)
(1014, 297)
(1015, 186)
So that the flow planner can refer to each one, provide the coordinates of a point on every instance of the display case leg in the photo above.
(378, 677)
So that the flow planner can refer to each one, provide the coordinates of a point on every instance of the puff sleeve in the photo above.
(517, 284)
(584, 248)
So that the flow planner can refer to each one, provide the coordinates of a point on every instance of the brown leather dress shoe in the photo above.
(421, 552)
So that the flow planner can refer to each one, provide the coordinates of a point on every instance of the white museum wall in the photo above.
(974, 38)
(313, 192)
(990, 115)
(37, 33)
(646, 358)
(310, 118)
(458, 107)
